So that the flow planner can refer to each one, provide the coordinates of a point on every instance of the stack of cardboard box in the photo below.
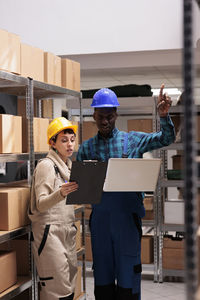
(33, 62)
(9, 52)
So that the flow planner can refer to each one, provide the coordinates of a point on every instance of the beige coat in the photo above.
(54, 232)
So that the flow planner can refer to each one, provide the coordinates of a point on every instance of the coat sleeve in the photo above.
(45, 193)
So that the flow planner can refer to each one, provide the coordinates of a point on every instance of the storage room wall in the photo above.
(79, 27)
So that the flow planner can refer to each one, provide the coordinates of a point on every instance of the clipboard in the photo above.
(90, 176)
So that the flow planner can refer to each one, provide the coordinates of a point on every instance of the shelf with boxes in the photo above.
(14, 239)
(15, 266)
(134, 113)
(23, 284)
(170, 200)
(28, 89)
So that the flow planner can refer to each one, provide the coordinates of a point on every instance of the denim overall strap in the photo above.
(91, 148)
(125, 155)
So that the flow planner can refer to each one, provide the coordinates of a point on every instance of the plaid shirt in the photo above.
(138, 143)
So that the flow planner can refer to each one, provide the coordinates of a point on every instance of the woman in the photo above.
(53, 226)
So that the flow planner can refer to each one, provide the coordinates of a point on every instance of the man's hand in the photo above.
(164, 103)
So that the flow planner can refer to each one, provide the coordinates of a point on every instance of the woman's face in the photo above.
(64, 144)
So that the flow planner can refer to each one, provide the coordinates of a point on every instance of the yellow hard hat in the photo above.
(58, 125)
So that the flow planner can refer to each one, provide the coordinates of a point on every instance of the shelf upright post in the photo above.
(29, 115)
(155, 204)
(83, 211)
(39, 108)
(190, 168)
(81, 119)
(31, 166)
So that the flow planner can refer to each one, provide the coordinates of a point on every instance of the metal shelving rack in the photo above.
(164, 184)
(31, 89)
(134, 107)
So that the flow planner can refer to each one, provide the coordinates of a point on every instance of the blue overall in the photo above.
(116, 220)
(116, 236)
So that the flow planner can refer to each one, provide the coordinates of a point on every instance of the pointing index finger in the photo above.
(161, 90)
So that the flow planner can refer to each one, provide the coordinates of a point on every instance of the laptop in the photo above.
(132, 174)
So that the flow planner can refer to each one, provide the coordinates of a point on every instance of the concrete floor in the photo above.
(150, 290)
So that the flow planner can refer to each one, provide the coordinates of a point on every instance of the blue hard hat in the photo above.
(105, 98)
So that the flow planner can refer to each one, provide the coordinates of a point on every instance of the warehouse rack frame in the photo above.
(164, 184)
(190, 181)
(30, 89)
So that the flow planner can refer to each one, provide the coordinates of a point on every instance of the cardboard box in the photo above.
(177, 162)
(173, 254)
(77, 141)
(89, 130)
(40, 126)
(13, 207)
(32, 62)
(149, 215)
(144, 125)
(173, 259)
(77, 291)
(179, 126)
(174, 212)
(10, 134)
(173, 243)
(70, 74)
(52, 69)
(8, 269)
(21, 107)
(78, 235)
(147, 249)
(148, 203)
(176, 119)
(88, 211)
(9, 52)
(88, 248)
(21, 247)
(47, 108)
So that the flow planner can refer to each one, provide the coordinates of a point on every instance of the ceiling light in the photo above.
(169, 91)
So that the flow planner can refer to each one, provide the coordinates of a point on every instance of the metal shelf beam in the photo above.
(10, 235)
(23, 283)
(173, 227)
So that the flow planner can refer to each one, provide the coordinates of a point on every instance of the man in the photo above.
(116, 221)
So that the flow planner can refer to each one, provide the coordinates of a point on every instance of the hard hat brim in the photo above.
(73, 127)
(105, 105)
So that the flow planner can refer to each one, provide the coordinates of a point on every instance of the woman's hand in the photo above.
(67, 188)
(164, 103)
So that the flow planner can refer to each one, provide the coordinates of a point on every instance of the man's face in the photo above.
(105, 119)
